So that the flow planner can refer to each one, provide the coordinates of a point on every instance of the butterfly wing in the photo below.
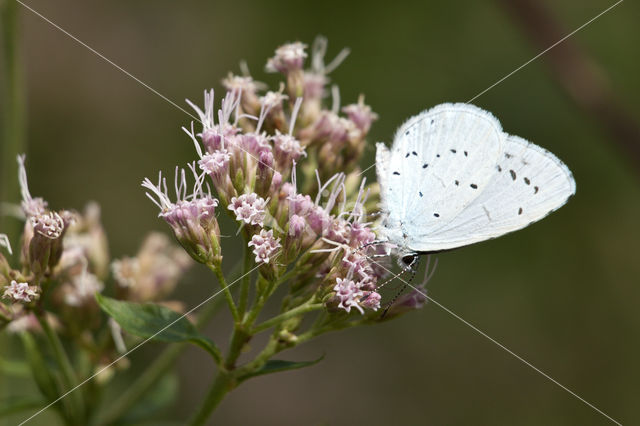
(441, 160)
(527, 183)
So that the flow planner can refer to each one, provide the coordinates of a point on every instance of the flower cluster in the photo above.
(286, 169)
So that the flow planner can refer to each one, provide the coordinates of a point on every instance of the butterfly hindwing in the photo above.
(527, 183)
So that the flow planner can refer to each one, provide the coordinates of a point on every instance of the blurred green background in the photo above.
(563, 293)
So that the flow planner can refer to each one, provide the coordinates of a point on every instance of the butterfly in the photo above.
(454, 178)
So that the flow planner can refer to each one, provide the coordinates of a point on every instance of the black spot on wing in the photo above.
(520, 211)
(527, 181)
(513, 174)
(474, 186)
(420, 193)
(453, 150)
(408, 154)
(438, 155)
(535, 189)
(507, 155)
(499, 168)
(466, 153)
(425, 165)
(436, 215)
(414, 153)
(396, 173)
(457, 183)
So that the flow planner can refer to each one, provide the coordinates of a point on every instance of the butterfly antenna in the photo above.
(414, 269)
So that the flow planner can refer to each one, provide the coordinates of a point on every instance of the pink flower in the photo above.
(371, 301)
(361, 115)
(349, 294)
(289, 57)
(286, 149)
(216, 164)
(249, 208)
(49, 225)
(192, 216)
(297, 225)
(20, 292)
(264, 245)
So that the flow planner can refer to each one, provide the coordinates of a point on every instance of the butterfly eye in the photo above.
(409, 259)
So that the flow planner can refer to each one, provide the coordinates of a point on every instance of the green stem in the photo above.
(223, 384)
(13, 124)
(69, 379)
(299, 310)
(246, 282)
(227, 293)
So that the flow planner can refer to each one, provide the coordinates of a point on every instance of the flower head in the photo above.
(192, 217)
(249, 208)
(20, 292)
(288, 57)
(349, 294)
(265, 246)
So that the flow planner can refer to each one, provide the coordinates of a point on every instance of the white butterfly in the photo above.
(454, 178)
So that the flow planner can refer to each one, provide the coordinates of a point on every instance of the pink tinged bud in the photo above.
(211, 139)
(361, 115)
(192, 217)
(276, 183)
(216, 165)
(49, 225)
(348, 293)
(297, 225)
(286, 149)
(265, 246)
(319, 220)
(371, 301)
(265, 172)
(249, 208)
(289, 57)
(314, 84)
(254, 143)
(20, 292)
(360, 235)
(300, 204)
(45, 246)
(408, 302)
(339, 231)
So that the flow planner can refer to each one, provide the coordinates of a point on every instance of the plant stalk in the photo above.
(14, 122)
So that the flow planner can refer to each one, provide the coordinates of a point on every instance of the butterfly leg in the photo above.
(413, 268)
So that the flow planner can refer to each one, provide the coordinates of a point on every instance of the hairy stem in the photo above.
(227, 293)
(246, 282)
(309, 306)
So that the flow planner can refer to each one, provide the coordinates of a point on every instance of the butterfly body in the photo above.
(453, 177)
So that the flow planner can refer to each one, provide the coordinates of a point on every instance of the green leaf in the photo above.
(149, 320)
(277, 365)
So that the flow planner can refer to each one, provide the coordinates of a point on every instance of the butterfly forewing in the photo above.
(439, 163)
